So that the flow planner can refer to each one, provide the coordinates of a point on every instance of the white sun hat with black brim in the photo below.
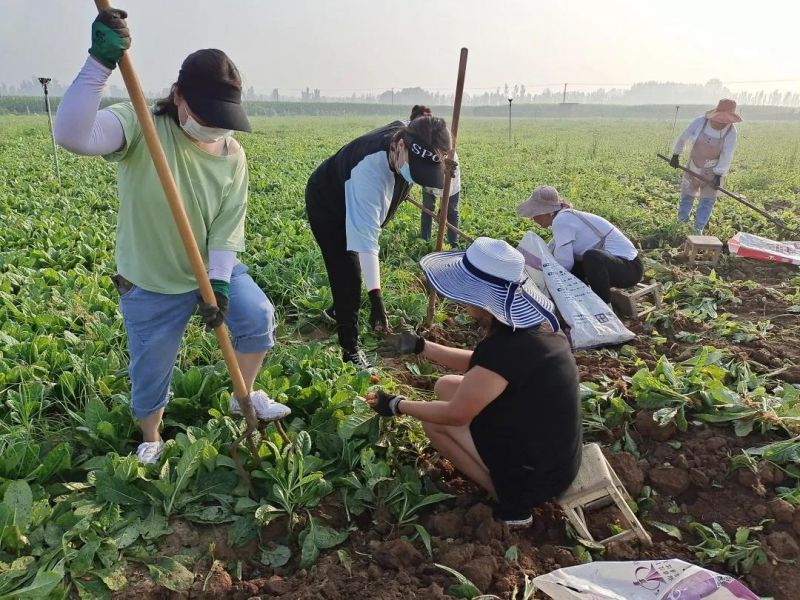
(490, 275)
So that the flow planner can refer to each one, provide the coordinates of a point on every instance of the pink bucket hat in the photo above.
(724, 113)
(545, 199)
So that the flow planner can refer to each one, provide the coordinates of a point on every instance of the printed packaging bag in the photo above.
(641, 580)
(747, 245)
(591, 321)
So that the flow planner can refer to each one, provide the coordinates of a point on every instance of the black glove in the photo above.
(386, 405)
(675, 161)
(717, 180)
(110, 36)
(398, 344)
(213, 315)
(377, 313)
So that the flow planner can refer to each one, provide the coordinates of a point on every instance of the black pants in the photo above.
(344, 270)
(602, 271)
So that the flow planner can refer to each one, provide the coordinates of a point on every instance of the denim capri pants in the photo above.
(155, 324)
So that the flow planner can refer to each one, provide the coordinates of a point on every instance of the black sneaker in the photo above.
(357, 358)
(329, 314)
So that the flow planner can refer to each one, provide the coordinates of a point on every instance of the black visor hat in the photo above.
(216, 101)
(425, 164)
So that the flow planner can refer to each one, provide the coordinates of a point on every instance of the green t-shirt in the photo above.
(149, 251)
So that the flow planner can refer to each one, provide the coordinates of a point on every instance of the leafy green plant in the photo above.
(738, 554)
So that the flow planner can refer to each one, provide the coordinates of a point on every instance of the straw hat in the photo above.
(724, 113)
(490, 275)
(544, 200)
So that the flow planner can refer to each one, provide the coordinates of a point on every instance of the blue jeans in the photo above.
(453, 217)
(155, 324)
(701, 216)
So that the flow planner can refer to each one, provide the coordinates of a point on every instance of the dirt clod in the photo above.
(783, 545)
(397, 554)
(669, 480)
(781, 510)
(628, 471)
(648, 428)
(480, 571)
(447, 524)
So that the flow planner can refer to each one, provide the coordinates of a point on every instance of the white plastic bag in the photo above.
(641, 580)
(592, 323)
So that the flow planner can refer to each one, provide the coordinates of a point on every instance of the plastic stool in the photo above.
(596, 481)
(702, 249)
(627, 301)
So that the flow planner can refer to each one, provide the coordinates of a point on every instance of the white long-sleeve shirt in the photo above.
(695, 128)
(572, 237)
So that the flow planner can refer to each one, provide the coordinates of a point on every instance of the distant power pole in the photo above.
(564, 97)
(510, 100)
(392, 96)
(44, 81)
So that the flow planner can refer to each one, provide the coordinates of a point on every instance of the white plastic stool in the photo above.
(596, 481)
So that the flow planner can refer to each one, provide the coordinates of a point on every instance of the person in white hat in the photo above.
(713, 137)
(512, 422)
(585, 244)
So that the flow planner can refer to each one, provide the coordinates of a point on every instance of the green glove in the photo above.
(110, 36)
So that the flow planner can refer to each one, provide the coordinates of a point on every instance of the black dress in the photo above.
(530, 435)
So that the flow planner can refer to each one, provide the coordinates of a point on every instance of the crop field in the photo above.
(699, 415)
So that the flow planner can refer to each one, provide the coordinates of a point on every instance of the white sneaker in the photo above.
(266, 408)
(148, 452)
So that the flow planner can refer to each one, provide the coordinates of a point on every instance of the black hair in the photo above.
(419, 110)
(429, 131)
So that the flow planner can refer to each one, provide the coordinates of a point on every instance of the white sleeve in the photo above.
(689, 133)
(365, 207)
(79, 126)
(220, 264)
(371, 270)
(726, 156)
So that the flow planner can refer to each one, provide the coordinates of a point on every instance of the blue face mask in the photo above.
(405, 171)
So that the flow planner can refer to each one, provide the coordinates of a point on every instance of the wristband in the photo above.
(394, 405)
(221, 287)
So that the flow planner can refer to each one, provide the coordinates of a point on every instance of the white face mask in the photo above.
(203, 133)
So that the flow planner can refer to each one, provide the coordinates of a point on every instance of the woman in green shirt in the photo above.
(158, 292)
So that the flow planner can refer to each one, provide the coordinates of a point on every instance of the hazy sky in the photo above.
(372, 45)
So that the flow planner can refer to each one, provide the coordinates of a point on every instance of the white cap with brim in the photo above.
(490, 275)
(544, 200)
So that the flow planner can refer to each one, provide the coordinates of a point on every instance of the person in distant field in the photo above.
(155, 281)
(429, 195)
(585, 244)
(512, 421)
(713, 137)
(351, 196)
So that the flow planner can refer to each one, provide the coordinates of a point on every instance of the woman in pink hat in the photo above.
(713, 137)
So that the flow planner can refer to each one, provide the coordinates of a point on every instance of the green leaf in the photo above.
(353, 422)
(425, 537)
(154, 526)
(345, 560)
(187, 467)
(464, 589)
(171, 574)
(309, 551)
(277, 556)
(84, 559)
(44, 583)
(512, 554)
(326, 537)
(243, 531)
(127, 535)
(19, 500)
(111, 489)
(670, 530)
(59, 459)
